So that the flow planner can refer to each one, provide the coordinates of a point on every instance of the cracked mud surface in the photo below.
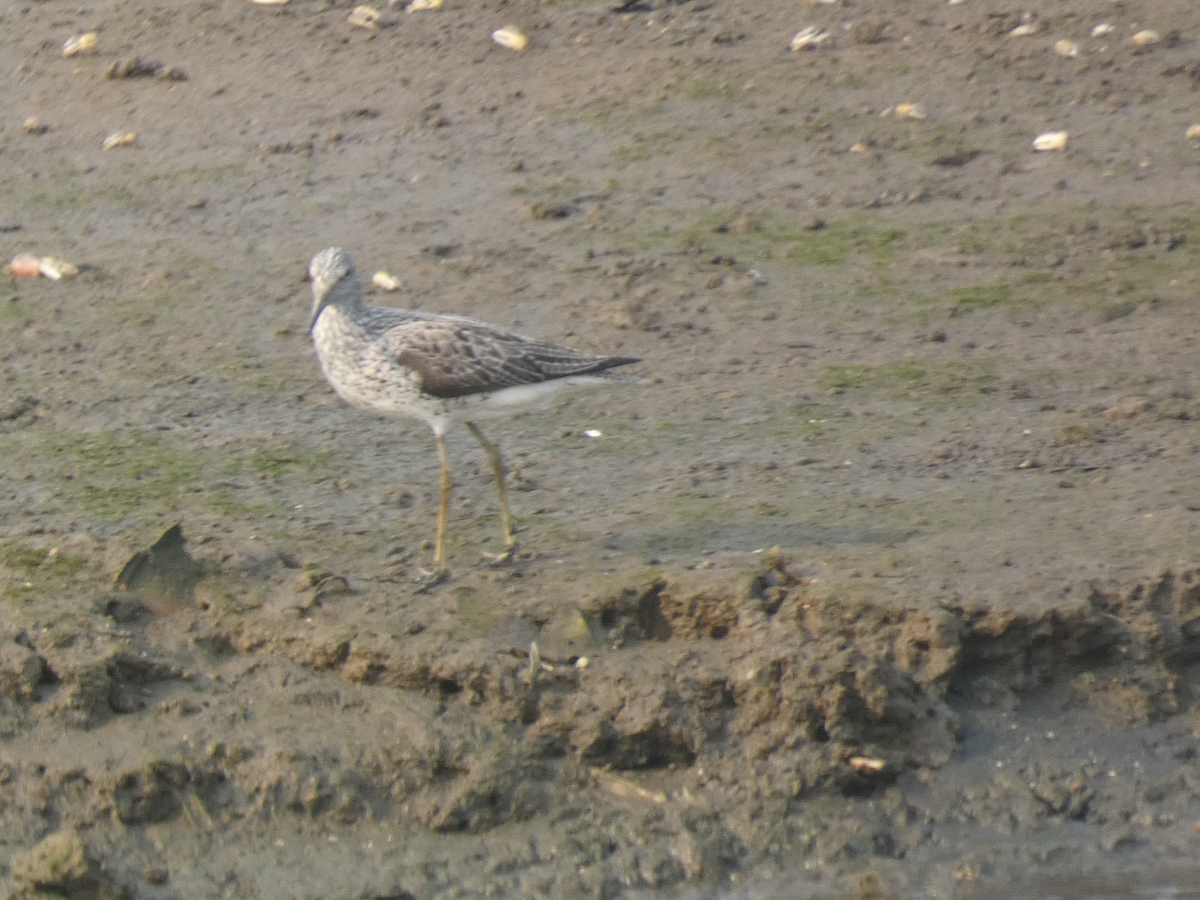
(952, 381)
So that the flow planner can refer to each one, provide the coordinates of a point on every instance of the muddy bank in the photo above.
(683, 727)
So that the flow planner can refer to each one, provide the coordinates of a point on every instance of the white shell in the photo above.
(119, 139)
(1051, 141)
(26, 265)
(867, 765)
(511, 37)
(1145, 38)
(1023, 30)
(385, 281)
(1193, 133)
(81, 43)
(808, 38)
(910, 111)
(270, 2)
(418, 5)
(1102, 29)
(363, 17)
(56, 269)
(1066, 49)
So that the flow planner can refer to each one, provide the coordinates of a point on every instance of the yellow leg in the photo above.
(445, 484)
(497, 464)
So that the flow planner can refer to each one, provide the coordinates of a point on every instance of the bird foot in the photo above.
(429, 580)
(500, 559)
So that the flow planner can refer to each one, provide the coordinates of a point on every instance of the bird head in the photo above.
(333, 278)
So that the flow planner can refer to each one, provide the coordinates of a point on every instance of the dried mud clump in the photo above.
(20, 671)
(152, 794)
(61, 864)
(1122, 648)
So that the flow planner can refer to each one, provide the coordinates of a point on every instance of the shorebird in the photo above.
(407, 364)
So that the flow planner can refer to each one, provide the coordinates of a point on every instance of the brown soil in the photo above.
(951, 381)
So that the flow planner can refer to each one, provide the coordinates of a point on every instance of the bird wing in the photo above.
(457, 357)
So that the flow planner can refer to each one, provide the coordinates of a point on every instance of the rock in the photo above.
(163, 575)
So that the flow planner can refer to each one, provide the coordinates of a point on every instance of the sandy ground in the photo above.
(883, 583)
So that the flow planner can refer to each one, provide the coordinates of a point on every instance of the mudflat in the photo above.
(883, 583)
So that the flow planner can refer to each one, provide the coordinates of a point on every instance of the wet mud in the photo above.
(883, 584)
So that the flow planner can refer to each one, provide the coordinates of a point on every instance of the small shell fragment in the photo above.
(1102, 29)
(1051, 141)
(1023, 30)
(33, 126)
(511, 38)
(419, 5)
(859, 147)
(363, 17)
(1145, 38)
(910, 111)
(867, 765)
(119, 139)
(24, 266)
(1193, 133)
(56, 269)
(81, 43)
(270, 2)
(385, 281)
(593, 433)
(808, 38)
(133, 67)
(1066, 49)
(623, 787)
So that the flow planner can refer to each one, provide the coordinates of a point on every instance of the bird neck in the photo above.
(346, 295)
(342, 300)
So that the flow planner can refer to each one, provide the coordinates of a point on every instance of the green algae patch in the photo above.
(26, 560)
(913, 379)
(125, 477)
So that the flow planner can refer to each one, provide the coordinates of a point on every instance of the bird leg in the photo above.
(497, 464)
(429, 580)
(445, 484)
